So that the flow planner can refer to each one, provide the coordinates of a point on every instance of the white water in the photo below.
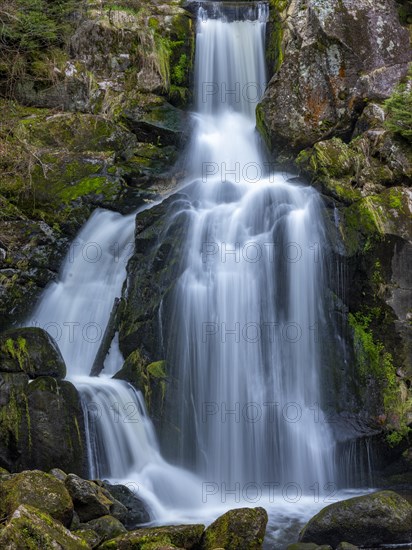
(276, 299)
(249, 302)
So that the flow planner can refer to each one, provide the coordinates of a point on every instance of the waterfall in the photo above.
(248, 305)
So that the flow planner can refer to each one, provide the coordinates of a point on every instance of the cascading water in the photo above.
(249, 302)
(248, 306)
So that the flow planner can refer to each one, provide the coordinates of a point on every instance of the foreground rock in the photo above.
(333, 56)
(39, 490)
(241, 529)
(180, 536)
(380, 518)
(136, 509)
(30, 528)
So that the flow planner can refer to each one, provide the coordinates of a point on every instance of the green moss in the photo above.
(86, 186)
(274, 49)
(374, 361)
(399, 110)
(17, 350)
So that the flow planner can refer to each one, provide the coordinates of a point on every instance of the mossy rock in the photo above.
(90, 500)
(32, 351)
(379, 518)
(375, 217)
(31, 529)
(107, 527)
(181, 536)
(240, 529)
(77, 132)
(150, 379)
(56, 426)
(40, 490)
(14, 419)
(90, 537)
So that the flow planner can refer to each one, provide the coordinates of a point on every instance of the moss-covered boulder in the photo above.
(332, 57)
(379, 518)
(32, 351)
(30, 528)
(90, 500)
(137, 512)
(56, 426)
(40, 490)
(180, 536)
(107, 527)
(240, 529)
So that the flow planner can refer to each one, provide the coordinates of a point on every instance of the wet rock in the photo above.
(181, 536)
(107, 527)
(37, 489)
(136, 509)
(336, 56)
(90, 537)
(90, 501)
(31, 350)
(346, 546)
(240, 529)
(56, 425)
(28, 527)
(379, 518)
(59, 474)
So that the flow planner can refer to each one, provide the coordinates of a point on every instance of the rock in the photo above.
(336, 56)
(346, 546)
(136, 509)
(14, 419)
(150, 379)
(90, 502)
(240, 529)
(181, 536)
(107, 527)
(30, 528)
(308, 546)
(59, 474)
(379, 518)
(90, 537)
(31, 350)
(56, 425)
(40, 490)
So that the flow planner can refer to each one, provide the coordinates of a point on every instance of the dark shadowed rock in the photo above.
(136, 509)
(31, 350)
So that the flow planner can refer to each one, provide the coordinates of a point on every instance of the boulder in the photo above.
(32, 351)
(239, 529)
(371, 520)
(89, 536)
(40, 490)
(308, 546)
(181, 536)
(107, 527)
(90, 500)
(28, 527)
(136, 509)
(346, 546)
(56, 425)
(334, 56)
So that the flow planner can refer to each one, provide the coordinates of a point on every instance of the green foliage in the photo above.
(29, 29)
(399, 110)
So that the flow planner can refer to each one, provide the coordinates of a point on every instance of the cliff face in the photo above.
(338, 108)
(333, 57)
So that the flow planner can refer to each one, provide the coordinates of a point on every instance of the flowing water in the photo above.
(249, 309)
